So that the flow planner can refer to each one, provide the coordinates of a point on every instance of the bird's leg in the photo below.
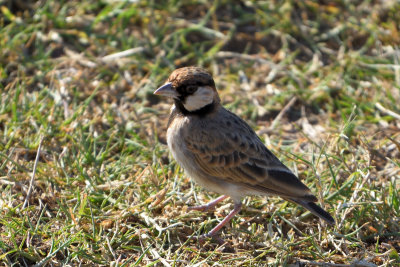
(237, 208)
(209, 205)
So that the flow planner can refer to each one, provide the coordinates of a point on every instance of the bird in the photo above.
(221, 152)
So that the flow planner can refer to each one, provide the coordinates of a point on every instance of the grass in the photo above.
(105, 190)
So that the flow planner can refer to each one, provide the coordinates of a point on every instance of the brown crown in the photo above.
(191, 76)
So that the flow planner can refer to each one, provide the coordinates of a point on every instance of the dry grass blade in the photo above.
(122, 54)
(32, 180)
(387, 111)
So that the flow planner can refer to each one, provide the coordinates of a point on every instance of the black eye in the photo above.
(190, 89)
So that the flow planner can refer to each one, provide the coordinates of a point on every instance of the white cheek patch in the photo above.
(201, 98)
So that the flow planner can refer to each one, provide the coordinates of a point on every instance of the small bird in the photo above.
(221, 152)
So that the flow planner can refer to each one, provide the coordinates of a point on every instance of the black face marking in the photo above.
(185, 82)
(190, 89)
(186, 90)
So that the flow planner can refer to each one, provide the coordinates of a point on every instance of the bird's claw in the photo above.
(202, 238)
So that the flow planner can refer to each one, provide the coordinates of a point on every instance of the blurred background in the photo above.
(86, 177)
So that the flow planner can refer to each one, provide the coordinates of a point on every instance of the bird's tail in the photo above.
(315, 209)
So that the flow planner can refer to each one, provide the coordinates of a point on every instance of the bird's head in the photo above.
(192, 88)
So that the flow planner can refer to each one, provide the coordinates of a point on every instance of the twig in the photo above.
(121, 54)
(279, 117)
(33, 174)
(208, 32)
(283, 111)
(110, 248)
(387, 111)
(79, 58)
(227, 54)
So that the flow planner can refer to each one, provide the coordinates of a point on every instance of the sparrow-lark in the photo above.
(221, 152)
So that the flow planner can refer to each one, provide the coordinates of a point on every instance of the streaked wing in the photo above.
(230, 150)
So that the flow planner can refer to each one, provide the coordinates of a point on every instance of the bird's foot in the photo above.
(202, 238)
(213, 233)
(209, 205)
(205, 207)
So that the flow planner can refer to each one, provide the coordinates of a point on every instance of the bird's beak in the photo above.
(166, 90)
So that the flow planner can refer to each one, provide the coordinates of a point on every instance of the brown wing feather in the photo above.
(233, 152)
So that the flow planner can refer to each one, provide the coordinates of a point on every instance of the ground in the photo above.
(319, 81)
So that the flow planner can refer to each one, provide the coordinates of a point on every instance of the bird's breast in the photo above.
(186, 159)
(176, 143)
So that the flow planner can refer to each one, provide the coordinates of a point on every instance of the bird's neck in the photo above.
(207, 109)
